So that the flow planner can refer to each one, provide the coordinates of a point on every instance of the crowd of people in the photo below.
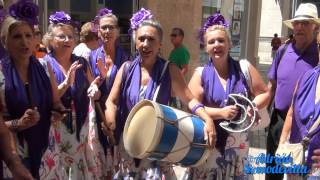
(65, 99)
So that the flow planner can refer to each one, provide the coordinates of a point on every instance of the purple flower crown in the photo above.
(25, 10)
(139, 17)
(103, 12)
(60, 17)
(214, 19)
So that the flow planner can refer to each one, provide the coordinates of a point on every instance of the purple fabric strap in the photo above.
(306, 112)
(17, 103)
(196, 107)
(76, 93)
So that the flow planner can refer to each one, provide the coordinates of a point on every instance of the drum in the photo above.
(159, 132)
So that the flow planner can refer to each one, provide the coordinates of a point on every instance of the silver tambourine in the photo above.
(242, 121)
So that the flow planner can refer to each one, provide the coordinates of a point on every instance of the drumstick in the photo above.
(111, 138)
(29, 95)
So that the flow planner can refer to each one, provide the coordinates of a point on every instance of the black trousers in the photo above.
(274, 133)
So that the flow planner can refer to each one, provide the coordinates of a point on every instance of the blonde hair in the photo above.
(8, 25)
(49, 34)
(221, 28)
(86, 33)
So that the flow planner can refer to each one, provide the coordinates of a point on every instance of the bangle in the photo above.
(14, 124)
(197, 106)
(254, 106)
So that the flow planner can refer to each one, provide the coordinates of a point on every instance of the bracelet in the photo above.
(197, 106)
(14, 124)
(254, 106)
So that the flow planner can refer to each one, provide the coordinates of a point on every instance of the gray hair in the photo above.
(109, 15)
(6, 27)
(49, 34)
(152, 23)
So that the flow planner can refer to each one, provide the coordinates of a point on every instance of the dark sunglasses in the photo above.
(173, 35)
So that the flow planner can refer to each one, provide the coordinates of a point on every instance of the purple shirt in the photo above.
(292, 65)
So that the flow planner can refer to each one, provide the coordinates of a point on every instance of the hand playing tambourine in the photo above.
(251, 112)
(242, 121)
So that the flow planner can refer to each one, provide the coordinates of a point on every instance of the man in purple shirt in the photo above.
(290, 62)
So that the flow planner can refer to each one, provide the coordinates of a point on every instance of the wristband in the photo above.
(14, 124)
(254, 106)
(197, 106)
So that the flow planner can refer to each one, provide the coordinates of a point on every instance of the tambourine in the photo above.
(242, 122)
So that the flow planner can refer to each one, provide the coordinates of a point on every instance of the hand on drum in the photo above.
(210, 133)
(229, 112)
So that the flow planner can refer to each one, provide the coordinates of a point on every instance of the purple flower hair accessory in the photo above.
(139, 17)
(3, 15)
(60, 17)
(25, 10)
(103, 12)
(215, 19)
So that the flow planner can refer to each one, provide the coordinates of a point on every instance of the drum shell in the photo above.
(172, 135)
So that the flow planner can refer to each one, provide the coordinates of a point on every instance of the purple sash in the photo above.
(215, 95)
(121, 57)
(131, 87)
(17, 103)
(76, 93)
(306, 112)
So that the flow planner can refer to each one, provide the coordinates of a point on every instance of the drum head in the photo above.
(141, 130)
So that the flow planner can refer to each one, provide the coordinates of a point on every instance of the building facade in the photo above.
(244, 17)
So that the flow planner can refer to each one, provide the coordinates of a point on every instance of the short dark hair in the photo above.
(179, 30)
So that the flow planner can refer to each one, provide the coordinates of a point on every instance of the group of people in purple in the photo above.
(66, 111)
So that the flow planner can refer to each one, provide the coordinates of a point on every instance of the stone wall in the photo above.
(185, 14)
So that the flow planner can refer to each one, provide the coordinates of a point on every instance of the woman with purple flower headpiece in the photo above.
(105, 63)
(74, 151)
(29, 93)
(211, 85)
(139, 80)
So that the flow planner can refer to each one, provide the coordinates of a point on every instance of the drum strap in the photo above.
(158, 87)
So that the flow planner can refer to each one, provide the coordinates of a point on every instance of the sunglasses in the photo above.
(174, 35)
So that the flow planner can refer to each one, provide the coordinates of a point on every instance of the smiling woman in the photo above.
(77, 89)
(212, 85)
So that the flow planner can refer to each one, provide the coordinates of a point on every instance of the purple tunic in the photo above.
(306, 112)
(17, 103)
(131, 84)
(76, 93)
(105, 87)
(215, 95)
(292, 65)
